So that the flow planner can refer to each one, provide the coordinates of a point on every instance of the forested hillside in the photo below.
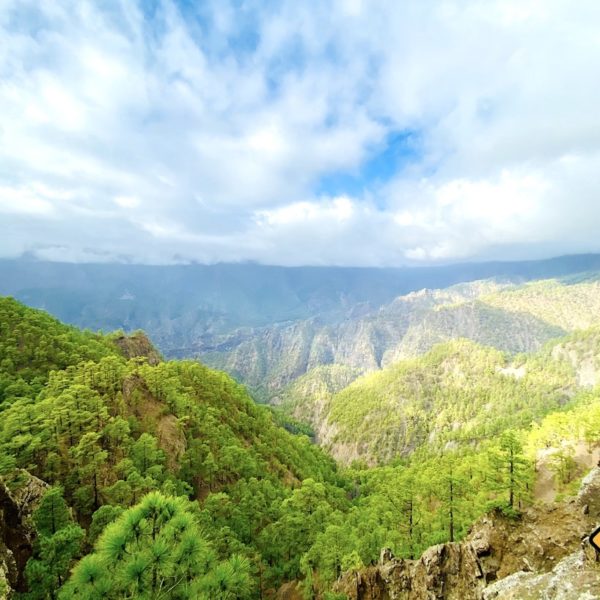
(458, 393)
(133, 477)
(104, 431)
(570, 303)
(32, 344)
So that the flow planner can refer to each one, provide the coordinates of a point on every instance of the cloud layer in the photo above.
(269, 131)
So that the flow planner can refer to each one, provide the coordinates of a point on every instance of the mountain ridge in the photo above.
(484, 311)
(182, 307)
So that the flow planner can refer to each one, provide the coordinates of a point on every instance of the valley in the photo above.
(299, 300)
(491, 313)
(267, 326)
(409, 426)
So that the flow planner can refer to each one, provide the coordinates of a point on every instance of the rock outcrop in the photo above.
(589, 494)
(16, 531)
(575, 577)
(137, 344)
(544, 554)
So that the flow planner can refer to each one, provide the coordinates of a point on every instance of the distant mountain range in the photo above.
(511, 317)
(270, 325)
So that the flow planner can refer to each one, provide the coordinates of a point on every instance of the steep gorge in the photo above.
(492, 313)
(458, 393)
(74, 400)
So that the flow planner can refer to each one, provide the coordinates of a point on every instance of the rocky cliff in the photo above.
(543, 555)
(17, 502)
(137, 344)
(269, 358)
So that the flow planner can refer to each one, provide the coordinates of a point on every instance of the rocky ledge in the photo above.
(544, 554)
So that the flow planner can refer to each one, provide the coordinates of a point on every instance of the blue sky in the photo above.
(397, 151)
(338, 132)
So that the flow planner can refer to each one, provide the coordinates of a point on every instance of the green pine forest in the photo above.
(165, 480)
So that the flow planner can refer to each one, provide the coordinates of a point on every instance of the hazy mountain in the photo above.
(508, 316)
(268, 325)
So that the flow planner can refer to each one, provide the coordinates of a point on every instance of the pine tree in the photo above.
(511, 471)
(91, 459)
(156, 550)
(52, 514)
(451, 485)
(147, 457)
(59, 542)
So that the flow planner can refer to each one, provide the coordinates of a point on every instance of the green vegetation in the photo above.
(32, 344)
(284, 360)
(58, 543)
(571, 303)
(157, 550)
(110, 431)
(457, 394)
(168, 481)
(307, 395)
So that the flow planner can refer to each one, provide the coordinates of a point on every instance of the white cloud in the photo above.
(174, 135)
(336, 210)
(24, 201)
(127, 201)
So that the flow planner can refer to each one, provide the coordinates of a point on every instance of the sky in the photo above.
(325, 132)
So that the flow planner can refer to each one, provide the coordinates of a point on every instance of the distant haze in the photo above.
(341, 132)
(185, 308)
